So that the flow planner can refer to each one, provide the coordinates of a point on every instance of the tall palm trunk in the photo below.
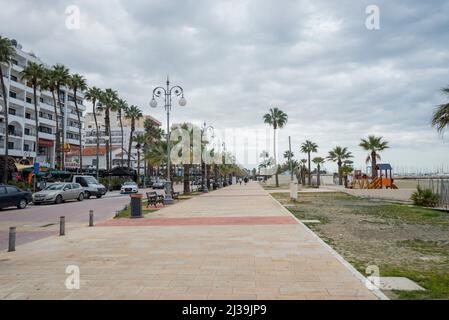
(106, 133)
(98, 136)
(318, 174)
(373, 164)
(62, 128)
(275, 158)
(57, 141)
(309, 181)
(138, 166)
(5, 102)
(131, 142)
(36, 116)
(79, 132)
(340, 174)
(121, 131)
(186, 178)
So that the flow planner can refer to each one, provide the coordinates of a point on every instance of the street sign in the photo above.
(36, 168)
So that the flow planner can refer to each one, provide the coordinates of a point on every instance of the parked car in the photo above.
(11, 196)
(159, 184)
(59, 192)
(129, 187)
(91, 186)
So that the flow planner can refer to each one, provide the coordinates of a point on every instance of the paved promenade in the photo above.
(234, 243)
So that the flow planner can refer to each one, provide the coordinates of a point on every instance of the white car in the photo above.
(129, 187)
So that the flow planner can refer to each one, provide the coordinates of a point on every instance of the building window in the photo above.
(13, 78)
(12, 94)
(29, 100)
(26, 147)
(12, 111)
(94, 162)
(10, 145)
(27, 132)
(28, 115)
(41, 100)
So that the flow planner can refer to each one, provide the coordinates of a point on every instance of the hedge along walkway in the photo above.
(234, 243)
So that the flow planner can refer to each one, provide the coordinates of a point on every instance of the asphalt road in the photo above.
(37, 222)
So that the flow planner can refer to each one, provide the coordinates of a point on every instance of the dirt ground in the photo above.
(402, 240)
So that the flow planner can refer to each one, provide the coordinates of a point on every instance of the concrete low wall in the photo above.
(402, 195)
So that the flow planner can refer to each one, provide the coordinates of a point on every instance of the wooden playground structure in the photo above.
(383, 180)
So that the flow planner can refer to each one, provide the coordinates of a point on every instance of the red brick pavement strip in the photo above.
(212, 221)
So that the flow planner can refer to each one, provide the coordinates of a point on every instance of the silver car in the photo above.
(59, 192)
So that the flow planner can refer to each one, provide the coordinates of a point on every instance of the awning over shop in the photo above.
(46, 143)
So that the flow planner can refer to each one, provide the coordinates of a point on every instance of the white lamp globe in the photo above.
(182, 102)
(153, 103)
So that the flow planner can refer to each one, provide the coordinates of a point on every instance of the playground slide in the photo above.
(376, 184)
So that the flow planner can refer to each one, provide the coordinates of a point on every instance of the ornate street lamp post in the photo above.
(167, 93)
(204, 176)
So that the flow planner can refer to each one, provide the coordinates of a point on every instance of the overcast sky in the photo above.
(315, 60)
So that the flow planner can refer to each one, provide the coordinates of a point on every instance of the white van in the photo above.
(91, 186)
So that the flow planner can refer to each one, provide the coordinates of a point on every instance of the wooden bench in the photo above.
(154, 199)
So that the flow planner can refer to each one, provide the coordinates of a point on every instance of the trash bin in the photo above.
(136, 205)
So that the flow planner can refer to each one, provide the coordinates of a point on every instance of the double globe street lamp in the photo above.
(167, 92)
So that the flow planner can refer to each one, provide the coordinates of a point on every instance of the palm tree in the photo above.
(120, 106)
(141, 140)
(48, 83)
(318, 161)
(78, 83)
(339, 154)
(6, 53)
(154, 134)
(374, 145)
(107, 100)
(93, 95)
(157, 153)
(303, 163)
(61, 77)
(309, 147)
(187, 127)
(277, 119)
(133, 113)
(440, 119)
(32, 74)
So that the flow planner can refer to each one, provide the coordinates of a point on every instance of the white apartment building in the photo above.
(90, 138)
(22, 128)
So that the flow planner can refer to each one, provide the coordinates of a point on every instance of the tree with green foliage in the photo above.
(78, 83)
(308, 147)
(32, 74)
(277, 119)
(7, 52)
(374, 145)
(318, 161)
(134, 114)
(440, 118)
(338, 155)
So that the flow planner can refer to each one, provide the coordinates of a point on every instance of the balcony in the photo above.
(17, 67)
(11, 133)
(47, 136)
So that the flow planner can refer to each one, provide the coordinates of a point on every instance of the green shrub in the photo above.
(425, 198)
(23, 185)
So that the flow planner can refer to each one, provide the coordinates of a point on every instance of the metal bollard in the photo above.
(91, 218)
(12, 239)
(62, 226)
